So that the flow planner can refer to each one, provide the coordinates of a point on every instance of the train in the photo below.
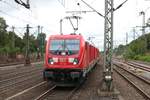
(69, 59)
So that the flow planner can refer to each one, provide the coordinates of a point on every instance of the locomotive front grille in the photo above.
(63, 75)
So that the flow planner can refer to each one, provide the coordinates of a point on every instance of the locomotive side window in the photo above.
(66, 47)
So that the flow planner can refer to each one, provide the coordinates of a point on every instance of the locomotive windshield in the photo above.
(64, 47)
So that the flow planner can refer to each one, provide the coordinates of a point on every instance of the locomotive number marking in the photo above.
(62, 60)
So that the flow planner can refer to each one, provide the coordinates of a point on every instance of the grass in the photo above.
(142, 58)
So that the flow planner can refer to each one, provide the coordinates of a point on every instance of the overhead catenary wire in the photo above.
(26, 5)
(114, 9)
(12, 6)
(62, 2)
(23, 31)
(18, 18)
(20, 33)
(92, 8)
(5, 2)
(15, 17)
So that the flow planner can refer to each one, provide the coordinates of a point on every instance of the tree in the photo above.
(32, 44)
(3, 32)
(41, 42)
(19, 43)
(120, 50)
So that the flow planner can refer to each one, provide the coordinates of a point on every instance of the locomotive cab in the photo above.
(68, 59)
(63, 59)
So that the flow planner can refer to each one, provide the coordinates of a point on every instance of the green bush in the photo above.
(142, 57)
(129, 53)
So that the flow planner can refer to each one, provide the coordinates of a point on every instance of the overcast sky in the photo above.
(48, 13)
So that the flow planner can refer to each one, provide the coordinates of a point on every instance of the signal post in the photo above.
(27, 57)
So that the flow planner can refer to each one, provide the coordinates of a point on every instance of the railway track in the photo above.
(139, 66)
(15, 80)
(51, 92)
(12, 85)
(46, 93)
(15, 63)
(10, 64)
(28, 77)
(139, 83)
(57, 93)
(15, 96)
(134, 64)
(17, 68)
(35, 88)
(18, 74)
(14, 88)
(13, 66)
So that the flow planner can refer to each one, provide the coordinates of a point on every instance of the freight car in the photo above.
(68, 59)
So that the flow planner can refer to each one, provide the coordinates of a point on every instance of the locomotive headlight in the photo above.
(50, 60)
(75, 61)
(52, 63)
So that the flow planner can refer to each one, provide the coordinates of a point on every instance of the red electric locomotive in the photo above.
(68, 59)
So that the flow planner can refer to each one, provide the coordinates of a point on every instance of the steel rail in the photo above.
(10, 64)
(22, 75)
(139, 77)
(42, 96)
(51, 90)
(24, 91)
(145, 95)
(21, 81)
(136, 65)
(19, 63)
(70, 95)
(15, 72)
(3, 92)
